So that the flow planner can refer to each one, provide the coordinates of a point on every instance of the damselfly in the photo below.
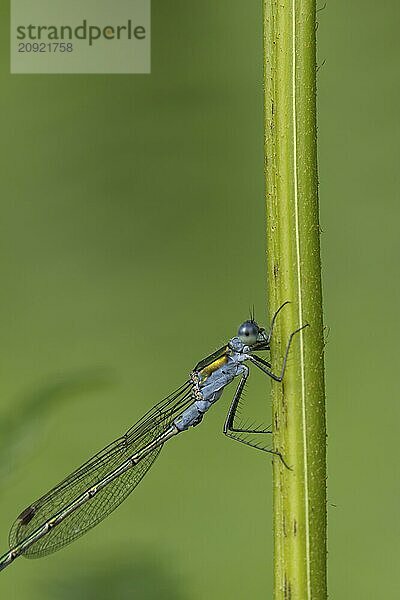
(89, 494)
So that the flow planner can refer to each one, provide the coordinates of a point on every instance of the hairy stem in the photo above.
(294, 274)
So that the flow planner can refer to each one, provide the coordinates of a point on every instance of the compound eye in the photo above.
(248, 333)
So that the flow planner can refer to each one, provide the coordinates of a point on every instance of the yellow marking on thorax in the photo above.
(216, 364)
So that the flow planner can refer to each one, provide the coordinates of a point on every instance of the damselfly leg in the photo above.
(236, 433)
(266, 367)
(271, 329)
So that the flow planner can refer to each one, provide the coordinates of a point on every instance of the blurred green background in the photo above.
(132, 241)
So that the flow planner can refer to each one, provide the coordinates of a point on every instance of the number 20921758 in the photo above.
(45, 47)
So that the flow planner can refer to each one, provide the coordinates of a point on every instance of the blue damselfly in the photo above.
(89, 494)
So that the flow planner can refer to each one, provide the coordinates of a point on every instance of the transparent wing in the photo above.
(92, 472)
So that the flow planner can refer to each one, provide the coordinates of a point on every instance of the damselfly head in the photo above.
(249, 333)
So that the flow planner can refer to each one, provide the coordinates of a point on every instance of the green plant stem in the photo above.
(294, 273)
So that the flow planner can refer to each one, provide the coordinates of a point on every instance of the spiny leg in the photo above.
(266, 367)
(230, 417)
(231, 431)
(273, 321)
